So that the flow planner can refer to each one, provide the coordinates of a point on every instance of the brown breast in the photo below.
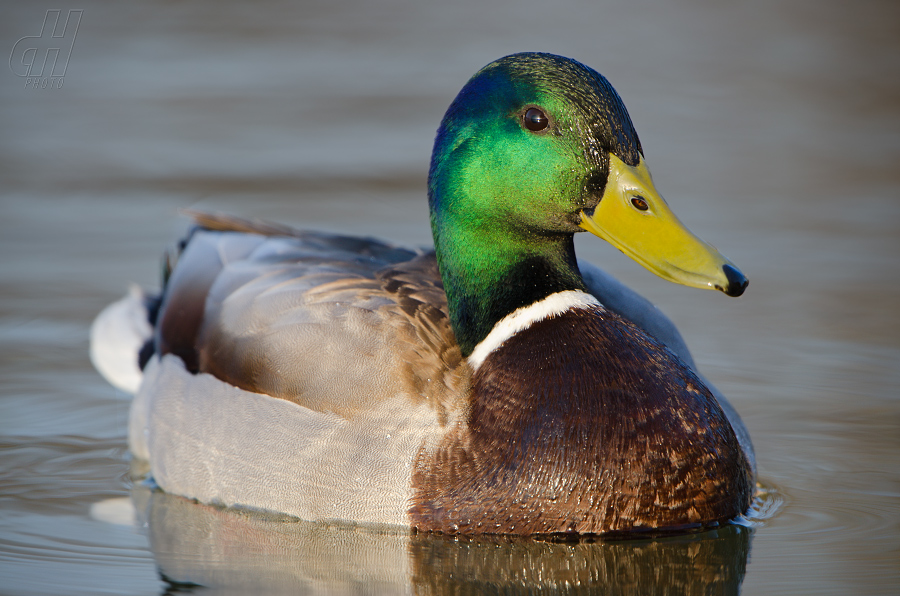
(583, 424)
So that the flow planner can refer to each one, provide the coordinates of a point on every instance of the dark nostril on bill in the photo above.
(737, 282)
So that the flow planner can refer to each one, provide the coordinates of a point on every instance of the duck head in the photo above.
(534, 149)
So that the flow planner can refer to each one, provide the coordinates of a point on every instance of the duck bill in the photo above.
(633, 217)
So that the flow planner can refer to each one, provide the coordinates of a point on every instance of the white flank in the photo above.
(523, 318)
(213, 442)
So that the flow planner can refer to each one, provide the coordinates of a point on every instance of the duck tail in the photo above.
(122, 339)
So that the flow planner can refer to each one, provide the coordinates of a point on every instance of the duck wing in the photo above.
(332, 323)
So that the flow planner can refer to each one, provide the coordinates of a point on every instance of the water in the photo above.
(773, 128)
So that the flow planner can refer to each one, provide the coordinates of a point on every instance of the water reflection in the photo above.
(238, 552)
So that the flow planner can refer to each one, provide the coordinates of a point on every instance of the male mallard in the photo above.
(494, 385)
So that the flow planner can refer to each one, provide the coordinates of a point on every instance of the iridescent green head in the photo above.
(524, 155)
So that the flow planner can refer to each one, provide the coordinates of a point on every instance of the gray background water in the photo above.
(772, 127)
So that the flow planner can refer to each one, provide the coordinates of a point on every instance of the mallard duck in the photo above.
(492, 385)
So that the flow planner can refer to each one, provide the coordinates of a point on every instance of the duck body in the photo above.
(495, 385)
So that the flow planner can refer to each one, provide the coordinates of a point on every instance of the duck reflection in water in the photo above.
(229, 550)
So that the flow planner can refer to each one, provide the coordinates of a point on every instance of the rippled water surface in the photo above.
(773, 128)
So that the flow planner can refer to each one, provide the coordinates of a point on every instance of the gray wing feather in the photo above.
(329, 322)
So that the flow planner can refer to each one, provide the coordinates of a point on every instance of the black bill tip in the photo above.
(737, 282)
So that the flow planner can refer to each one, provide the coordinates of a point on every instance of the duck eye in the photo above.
(536, 120)
(640, 203)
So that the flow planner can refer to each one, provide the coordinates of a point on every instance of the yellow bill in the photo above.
(633, 217)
